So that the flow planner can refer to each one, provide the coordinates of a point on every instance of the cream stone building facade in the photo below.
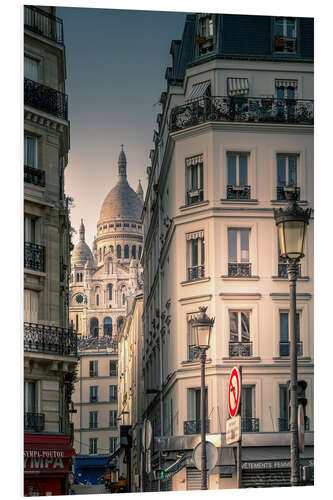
(101, 282)
(50, 350)
(236, 128)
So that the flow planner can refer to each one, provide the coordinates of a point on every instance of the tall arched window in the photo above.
(100, 254)
(139, 252)
(123, 299)
(118, 252)
(97, 299)
(97, 294)
(110, 291)
(107, 326)
(104, 250)
(134, 252)
(126, 252)
(94, 327)
(77, 277)
(81, 277)
(111, 248)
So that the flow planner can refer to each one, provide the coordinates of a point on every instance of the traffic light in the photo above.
(159, 474)
(301, 399)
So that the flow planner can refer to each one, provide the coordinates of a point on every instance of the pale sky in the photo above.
(116, 61)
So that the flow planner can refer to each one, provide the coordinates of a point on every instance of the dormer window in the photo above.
(285, 34)
(206, 26)
(205, 34)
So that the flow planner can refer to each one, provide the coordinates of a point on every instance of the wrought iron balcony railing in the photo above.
(194, 426)
(42, 23)
(193, 353)
(239, 269)
(250, 424)
(195, 273)
(240, 349)
(283, 424)
(194, 196)
(281, 192)
(282, 270)
(34, 256)
(49, 339)
(285, 348)
(45, 99)
(34, 422)
(238, 192)
(34, 176)
(241, 109)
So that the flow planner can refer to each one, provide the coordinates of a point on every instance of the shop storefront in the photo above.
(47, 464)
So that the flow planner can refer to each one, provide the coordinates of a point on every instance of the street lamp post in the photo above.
(201, 327)
(291, 224)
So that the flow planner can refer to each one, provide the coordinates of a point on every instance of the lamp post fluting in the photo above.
(291, 223)
(201, 327)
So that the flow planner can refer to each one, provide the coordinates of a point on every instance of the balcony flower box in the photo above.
(200, 39)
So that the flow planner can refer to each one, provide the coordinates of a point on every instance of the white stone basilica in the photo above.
(102, 279)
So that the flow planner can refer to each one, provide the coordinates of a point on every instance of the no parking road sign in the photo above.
(234, 391)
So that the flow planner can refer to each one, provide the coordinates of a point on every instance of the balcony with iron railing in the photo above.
(195, 273)
(34, 256)
(42, 23)
(281, 192)
(34, 176)
(238, 192)
(240, 349)
(284, 349)
(250, 424)
(34, 422)
(194, 426)
(193, 353)
(194, 196)
(241, 109)
(239, 270)
(49, 339)
(45, 99)
(283, 424)
(283, 270)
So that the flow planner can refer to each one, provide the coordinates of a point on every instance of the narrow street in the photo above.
(93, 489)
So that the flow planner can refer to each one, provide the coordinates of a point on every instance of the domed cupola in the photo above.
(122, 202)
(82, 253)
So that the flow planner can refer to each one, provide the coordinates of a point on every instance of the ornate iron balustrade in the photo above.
(195, 273)
(285, 348)
(193, 353)
(238, 192)
(194, 426)
(34, 176)
(45, 99)
(241, 109)
(42, 23)
(34, 256)
(239, 269)
(283, 424)
(282, 270)
(50, 339)
(281, 194)
(250, 424)
(194, 196)
(240, 349)
(34, 422)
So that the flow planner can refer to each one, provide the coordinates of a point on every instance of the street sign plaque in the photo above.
(233, 430)
(234, 391)
(211, 452)
(147, 433)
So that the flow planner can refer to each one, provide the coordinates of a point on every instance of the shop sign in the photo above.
(270, 464)
(44, 460)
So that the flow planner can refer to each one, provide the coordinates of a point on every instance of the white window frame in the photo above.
(36, 64)
(197, 162)
(225, 150)
(93, 446)
(190, 238)
(31, 303)
(35, 153)
(114, 441)
(238, 245)
(238, 154)
(93, 419)
(239, 313)
(285, 23)
(112, 418)
(26, 395)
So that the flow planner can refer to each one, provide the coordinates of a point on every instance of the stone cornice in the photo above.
(44, 119)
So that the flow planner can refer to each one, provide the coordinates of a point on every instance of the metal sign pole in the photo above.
(239, 444)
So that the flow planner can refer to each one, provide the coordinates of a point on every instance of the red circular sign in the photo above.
(234, 390)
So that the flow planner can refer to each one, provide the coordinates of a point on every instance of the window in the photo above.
(194, 179)
(93, 368)
(126, 252)
(111, 248)
(30, 68)
(30, 152)
(133, 252)
(79, 299)
(284, 334)
(93, 419)
(139, 252)
(107, 324)
(113, 392)
(238, 253)
(29, 229)
(110, 291)
(282, 265)
(94, 327)
(123, 300)
(118, 252)
(30, 306)
(205, 34)
(118, 225)
(76, 322)
(239, 328)
(113, 368)
(286, 174)
(284, 408)
(92, 446)
(113, 418)
(237, 182)
(285, 34)
(30, 397)
(97, 299)
(195, 256)
(249, 422)
(133, 225)
(100, 254)
(112, 444)
(93, 393)
(193, 425)
(126, 224)
(193, 352)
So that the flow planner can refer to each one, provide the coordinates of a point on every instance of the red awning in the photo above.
(60, 445)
